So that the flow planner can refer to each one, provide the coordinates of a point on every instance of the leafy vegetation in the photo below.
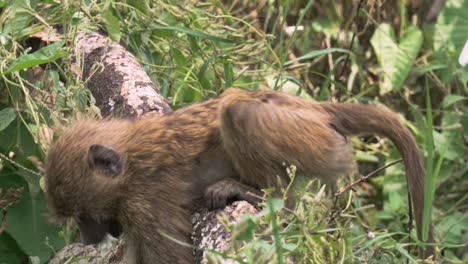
(382, 52)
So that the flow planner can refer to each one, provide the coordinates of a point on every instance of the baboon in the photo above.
(144, 176)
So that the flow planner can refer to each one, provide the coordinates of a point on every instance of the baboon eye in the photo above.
(104, 159)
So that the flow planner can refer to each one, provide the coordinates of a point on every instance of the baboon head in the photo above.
(85, 180)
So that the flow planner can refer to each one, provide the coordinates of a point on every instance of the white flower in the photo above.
(463, 59)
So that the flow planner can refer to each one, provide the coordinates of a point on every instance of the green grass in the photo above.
(196, 51)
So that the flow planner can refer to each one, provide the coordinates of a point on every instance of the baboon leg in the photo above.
(225, 191)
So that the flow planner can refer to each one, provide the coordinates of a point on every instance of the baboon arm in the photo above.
(158, 218)
(158, 235)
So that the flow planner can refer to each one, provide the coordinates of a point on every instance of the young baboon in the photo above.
(144, 176)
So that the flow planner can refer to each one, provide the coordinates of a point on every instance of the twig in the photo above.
(4, 221)
(19, 165)
(334, 211)
(350, 46)
(364, 178)
(330, 64)
(284, 207)
(410, 222)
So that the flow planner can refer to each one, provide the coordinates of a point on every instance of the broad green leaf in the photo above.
(7, 115)
(453, 226)
(10, 252)
(451, 99)
(17, 16)
(46, 54)
(27, 220)
(112, 26)
(18, 139)
(276, 204)
(395, 202)
(450, 35)
(395, 59)
(393, 187)
(453, 133)
(451, 30)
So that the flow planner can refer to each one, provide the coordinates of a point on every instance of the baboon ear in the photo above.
(105, 160)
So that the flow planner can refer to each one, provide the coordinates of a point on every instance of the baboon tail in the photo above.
(360, 119)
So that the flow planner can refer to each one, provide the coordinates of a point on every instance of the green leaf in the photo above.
(179, 57)
(450, 35)
(228, 73)
(112, 26)
(10, 252)
(46, 54)
(262, 245)
(395, 60)
(18, 18)
(451, 99)
(452, 132)
(7, 115)
(289, 246)
(363, 156)
(244, 229)
(430, 67)
(276, 204)
(34, 260)
(138, 5)
(77, 18)
(395, 202)
(316, 53)
(405, 253)
(27, 220)
(373, 241)
(453, 226)
(451, 29)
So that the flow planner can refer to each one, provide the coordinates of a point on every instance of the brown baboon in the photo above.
(144, 176)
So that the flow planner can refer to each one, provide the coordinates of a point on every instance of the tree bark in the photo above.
(118, 83)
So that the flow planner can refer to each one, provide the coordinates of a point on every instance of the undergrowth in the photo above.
(381, 52)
